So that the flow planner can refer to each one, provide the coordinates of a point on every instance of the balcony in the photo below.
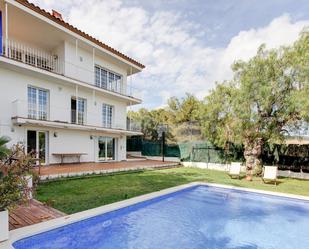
(133, 125)
(51, 62)
(32, 56)
(59, 117)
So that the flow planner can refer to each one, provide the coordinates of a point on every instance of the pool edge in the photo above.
(24, 232)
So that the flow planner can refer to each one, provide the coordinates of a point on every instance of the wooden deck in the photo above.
(32, 213)
(53, 171)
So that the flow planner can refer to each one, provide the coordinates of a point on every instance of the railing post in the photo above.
(6, 30)
(93, 65)
(76, 96)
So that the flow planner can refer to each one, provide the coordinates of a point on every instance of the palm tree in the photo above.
(3, 149)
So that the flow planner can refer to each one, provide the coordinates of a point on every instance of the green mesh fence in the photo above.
(155, 149)
(152, 148)
(134, 143)
(202, 152)
(189, 151)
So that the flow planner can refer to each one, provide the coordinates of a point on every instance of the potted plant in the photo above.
(14, 166)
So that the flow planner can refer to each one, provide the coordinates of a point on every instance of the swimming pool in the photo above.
(196, 217)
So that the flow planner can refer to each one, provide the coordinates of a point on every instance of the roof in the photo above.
(77, 31)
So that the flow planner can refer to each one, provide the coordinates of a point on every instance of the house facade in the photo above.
(61, 90)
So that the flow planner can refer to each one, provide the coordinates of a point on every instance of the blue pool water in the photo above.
(196, 218)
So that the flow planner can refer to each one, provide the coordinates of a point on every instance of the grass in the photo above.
(78, 194)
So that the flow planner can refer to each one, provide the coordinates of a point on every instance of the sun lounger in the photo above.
(235, 170)
(270, 174)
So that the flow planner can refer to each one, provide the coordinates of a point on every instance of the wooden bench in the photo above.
(63, 155)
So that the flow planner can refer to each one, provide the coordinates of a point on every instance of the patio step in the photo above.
(156, 165)
(136, 159)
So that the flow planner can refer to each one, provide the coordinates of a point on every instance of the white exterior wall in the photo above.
(14, 87)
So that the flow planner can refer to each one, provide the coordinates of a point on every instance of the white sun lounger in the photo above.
(235, 169)
(270, 174)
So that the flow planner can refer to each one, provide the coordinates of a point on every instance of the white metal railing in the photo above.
(32, 56)
(133, 125)
(51, 62)
(25, 110)
(78, 117)
(57, 113)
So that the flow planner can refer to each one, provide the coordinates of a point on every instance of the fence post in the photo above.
(163, 145)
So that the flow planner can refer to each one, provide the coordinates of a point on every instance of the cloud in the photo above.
(177, 59)
(280, 32)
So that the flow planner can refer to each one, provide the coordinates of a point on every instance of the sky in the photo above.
(186, 45)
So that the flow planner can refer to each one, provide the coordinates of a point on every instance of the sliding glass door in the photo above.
(106, 148)
(37, 144)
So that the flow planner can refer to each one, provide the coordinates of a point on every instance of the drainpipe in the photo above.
(131, 83)
(130, 126)
(93, 66)
(76, 55)
(76, 96)
(6, 30)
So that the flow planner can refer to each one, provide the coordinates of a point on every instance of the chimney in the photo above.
(57, 15)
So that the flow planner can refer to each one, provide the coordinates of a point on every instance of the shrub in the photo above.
(14, 166)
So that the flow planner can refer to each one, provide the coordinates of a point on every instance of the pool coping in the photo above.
(28, 231)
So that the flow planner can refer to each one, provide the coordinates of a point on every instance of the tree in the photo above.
(3, 149)
(298, 57)
(13, 184)
(186, 109)
(181, 115)
(258, 105)
(150, 120)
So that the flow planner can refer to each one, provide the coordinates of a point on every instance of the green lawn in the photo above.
(74, 195)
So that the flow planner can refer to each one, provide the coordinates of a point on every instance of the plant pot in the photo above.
(4, 225)
(249, 178)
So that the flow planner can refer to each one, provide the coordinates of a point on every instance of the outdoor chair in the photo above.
(270, 174)
(235, 170)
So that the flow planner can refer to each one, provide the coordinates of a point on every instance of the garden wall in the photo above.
(225, 167)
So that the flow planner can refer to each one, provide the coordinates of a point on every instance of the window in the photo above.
(37, 103)
(107, 115)
(103, 78)
(107, 80)
(97, 76)
(81, 103)
(78, 111)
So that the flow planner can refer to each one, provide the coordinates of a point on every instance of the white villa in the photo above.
(62, 92)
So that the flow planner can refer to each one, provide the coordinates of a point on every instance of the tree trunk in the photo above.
(253, 151)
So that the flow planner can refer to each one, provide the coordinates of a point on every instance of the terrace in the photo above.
(79, 169)
(52, 61)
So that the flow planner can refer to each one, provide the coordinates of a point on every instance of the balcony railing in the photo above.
(55, 113)
(51, 62)
(78, 117)
(32, 56)
(133, 125)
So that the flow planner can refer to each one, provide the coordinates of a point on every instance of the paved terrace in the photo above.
(56, 171)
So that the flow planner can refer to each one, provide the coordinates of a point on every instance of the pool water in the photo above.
(199, 217)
